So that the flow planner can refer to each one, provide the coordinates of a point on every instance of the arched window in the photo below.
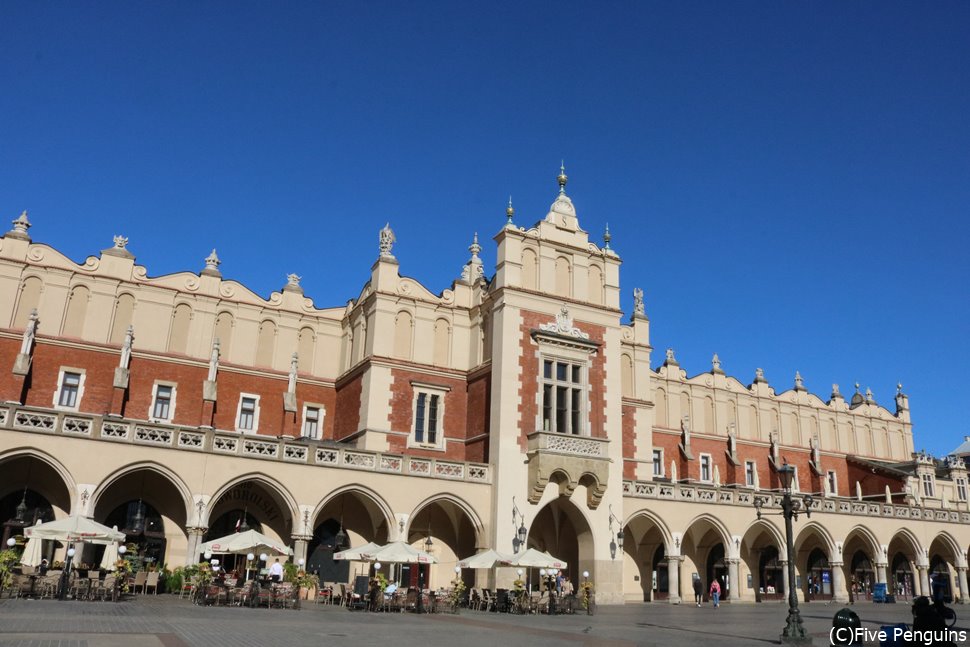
(178, 339)
(595, 284)
(77, 308)
(124, 309)
(305, 349)
(265, 343)
(442, 342)
(626, 376)
(224, 333)
(530, 270)
(29, 299)
(563, 277)
(402, 335)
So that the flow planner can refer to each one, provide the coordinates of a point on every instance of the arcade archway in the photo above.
(705, 550)
(561, 530)
(645, 553)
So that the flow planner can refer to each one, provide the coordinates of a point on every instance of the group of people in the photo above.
(714, 590)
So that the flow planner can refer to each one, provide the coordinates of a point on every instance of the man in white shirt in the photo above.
(276, 571)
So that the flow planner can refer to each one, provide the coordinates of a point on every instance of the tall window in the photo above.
(70, 386)
(749, 473)
(658, 462)
(311, 422)
(833, 485)
(562, 397)
(705, 467)
(928, 485)
(428, 417)
(162, 409)
(962, 489)
(248, 413)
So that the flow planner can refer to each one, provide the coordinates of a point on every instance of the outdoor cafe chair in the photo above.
(141, 577)
(284, 595)
(151, 582)
(47, 586)
(189, 586)
(106, 589)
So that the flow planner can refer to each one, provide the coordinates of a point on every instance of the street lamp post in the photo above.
(794, 632)
(66, 574)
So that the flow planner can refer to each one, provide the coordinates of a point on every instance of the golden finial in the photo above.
(509, 212)
(563, 178)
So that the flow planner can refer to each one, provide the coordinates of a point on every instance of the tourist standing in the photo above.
(715, 593)
(698, 591)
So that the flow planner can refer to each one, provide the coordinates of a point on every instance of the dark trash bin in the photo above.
(844, 625)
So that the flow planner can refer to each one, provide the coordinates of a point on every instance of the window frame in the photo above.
(658, 463)
(579, 413)
(709, 463)
(239, 408)
(171, 401)
(753, 474)
(79, 393)
(429, 391)
(928, 484)
(321, 416)
(961, 486)
(832, 480)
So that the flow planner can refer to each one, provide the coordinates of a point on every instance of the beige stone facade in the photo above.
(524, 399)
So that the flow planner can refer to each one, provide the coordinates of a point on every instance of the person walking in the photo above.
(698, 591)
(715, 593)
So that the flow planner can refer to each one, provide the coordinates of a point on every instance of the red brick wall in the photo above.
(454, 425)
(347, 411)
(477, 425)
(872, 483)
(629, 441)
(668, 443)
(98, 368)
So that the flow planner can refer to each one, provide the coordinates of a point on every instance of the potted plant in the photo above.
(457, 594)
(308, 585)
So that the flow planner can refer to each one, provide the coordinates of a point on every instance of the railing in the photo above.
(568, 445)
(746, 497)
(287, 450)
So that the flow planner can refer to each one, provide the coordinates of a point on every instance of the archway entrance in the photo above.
(31, 491)
(561, 530)
(349, 519)
(940, 579)
(703, 546)
(252, 503)
(452, 535)
(644, 552)
(150, 510)
(771, 578)
(902, 574)
(863, 574)
(819, 576)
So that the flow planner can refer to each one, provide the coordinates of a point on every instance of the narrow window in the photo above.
(705, 467)
(247, 414)
(962, 489)
(163, 402)
(433, 420)
(419, 418)
(832, 484)
(749, 473)
(927, 485)
(658, 462)
(70, 384)
(562, 397)
(311, 423)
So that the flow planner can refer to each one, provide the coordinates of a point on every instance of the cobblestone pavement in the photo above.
(165, 621)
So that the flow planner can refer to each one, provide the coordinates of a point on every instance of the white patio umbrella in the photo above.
(110, 559)
(33, 553)
(74, 529)
(533, 557)
(241, 543)
(357, 554)
(489, 558)
(399, 552)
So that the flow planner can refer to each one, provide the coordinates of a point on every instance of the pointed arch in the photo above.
(356, 488)
(946, 539)
(183, 490)
(762, 525)
(263, 479)
(713, 522)
(813, 528)
(658, 522)
(58, 467)
(867, 537)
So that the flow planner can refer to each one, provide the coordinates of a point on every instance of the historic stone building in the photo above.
(179, 407)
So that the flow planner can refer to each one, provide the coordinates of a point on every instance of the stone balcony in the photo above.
(569, 461)
(19, 418)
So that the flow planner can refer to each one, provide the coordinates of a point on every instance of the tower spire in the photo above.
(562, 178)
(509, 212)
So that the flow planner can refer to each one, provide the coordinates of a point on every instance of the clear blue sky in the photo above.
(788, 182)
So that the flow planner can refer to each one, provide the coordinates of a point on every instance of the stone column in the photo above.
(195, 541)
(962, 582)
(881, 575)
(673, 579)
(924, 580)
(839, 593)
(299, 548)
(784, 577)
(735, 591)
